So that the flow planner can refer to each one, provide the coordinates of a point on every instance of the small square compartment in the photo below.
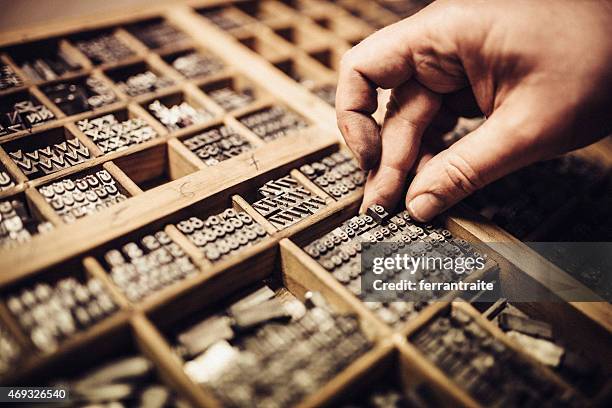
(83, 193)
(138, 79)
(46, 152)
(20, 221)
(103, 47)
(216, 144)
(346, 27)
(158, 33)
(80, 94)
(329, 57)
(116, 131)
(33, 303)
(263, 10)
(273, 122)
(178, 110)
(302, 36)
(285, 201)
(45, 60)
(226, 18)
(145, 262)
(232, 93)
(263, 47)
(194, 64)
(301, 72)
(21, 111)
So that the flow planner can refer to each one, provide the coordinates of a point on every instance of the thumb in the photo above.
(502, 144)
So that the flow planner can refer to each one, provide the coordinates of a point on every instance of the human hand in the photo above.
(540, 71)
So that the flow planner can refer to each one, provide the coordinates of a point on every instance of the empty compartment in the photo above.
(344, 26)
(154, 166)
(232, 93)
(302, 36)
(158, 33)
(117, 131)
(302, 72)
(273, 122)
(194, 63)
(45, 60)
(179, 110)
(46, 152)
(268, 50)
(20, 221)
(328, 57)
(138, 79)
(83, 193)
(80, 94)
(263, 10)
(21, 111)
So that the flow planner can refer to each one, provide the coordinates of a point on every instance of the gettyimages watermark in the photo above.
(421, 272)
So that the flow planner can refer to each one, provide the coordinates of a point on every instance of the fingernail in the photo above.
(425, 206)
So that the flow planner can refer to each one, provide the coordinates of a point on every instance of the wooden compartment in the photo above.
(207, 64)
(25, 152)
(22, 111)
(564, 390)
(127, 76)
(82, 94)
(116, 46)
(215, 299)
(265, 11)
(47, 60)
(108, 134)
(585, 368)
(232, 93)
(329, 57)
(303, 71)
(347, 27)
(96, 333)
(225, 17)
(268, 50)
(96, 187)
(195, 110)
(155, 165)
(39, 219)
(302, 36)
(158, 34)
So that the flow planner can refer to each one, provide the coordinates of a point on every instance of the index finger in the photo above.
(380, 61)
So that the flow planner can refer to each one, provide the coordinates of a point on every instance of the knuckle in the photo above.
(463, 178)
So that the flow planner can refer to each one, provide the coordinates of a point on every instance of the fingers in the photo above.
(493, 150)
(381, 60)
(410, 110)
